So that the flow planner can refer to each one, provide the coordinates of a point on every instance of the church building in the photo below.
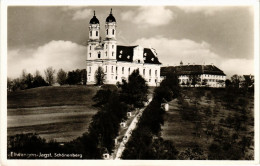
(118, 61)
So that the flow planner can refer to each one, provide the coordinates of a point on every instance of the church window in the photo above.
(96, 33)
(150, 71)
(144, 72)
(122, 70)
(113, 31)
(99, 55)
(155, 72)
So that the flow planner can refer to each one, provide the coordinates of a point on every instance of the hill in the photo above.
(51, 96)
(61, 113)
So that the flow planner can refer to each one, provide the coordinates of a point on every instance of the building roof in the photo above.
(111, 18)
(94, 20)
(126, 53)
(192, 70)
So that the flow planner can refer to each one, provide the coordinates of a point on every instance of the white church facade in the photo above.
(118, 61)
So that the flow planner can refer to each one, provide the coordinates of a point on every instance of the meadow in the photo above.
(55, 113)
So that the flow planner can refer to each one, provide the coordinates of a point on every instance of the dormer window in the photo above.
(120, 56)
(121, 51)
(152, 59)
(144, 54)
(128, 57)
(144, 58)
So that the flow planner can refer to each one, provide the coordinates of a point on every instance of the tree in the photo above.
(228, 83)
(204, 82)
(135, 90)
(49, 74)
(61, 77)
(236, 80)
(99, 76)
(84, 76)
(195, 79)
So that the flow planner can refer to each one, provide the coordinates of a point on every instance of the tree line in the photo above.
(28, 80)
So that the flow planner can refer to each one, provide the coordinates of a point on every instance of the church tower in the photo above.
(94, 37)
(110, 39)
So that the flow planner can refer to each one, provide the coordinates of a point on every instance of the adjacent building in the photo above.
(208, 75)
(118, 61)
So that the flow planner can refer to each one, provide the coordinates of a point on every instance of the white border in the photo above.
(3, 77)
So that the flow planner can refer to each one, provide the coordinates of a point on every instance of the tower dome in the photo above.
(111, 18)
(94, 20)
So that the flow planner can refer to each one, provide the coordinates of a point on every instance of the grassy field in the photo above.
(60, 113)
(183, 132)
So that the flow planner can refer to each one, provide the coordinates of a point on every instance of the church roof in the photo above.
(192, 69)
(94, 20)
(126, 53)
(111, 18)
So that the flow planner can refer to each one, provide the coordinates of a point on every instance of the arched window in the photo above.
(150, 71)
(116, 70)
(112, 53)
(106, 68)
(99, 55)
(144, 72)
(106, 53)
(89, 69)
(89, 47)
(90, 33)
(90, 55)
(113, 31)
(112, 69)
(129, 71)
(96, 33)
(122, 70)
(107, 31)
(156, 73)
(112, 46)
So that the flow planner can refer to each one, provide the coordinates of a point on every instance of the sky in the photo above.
(39, 37)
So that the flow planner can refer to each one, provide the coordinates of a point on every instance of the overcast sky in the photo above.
(39, 37)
